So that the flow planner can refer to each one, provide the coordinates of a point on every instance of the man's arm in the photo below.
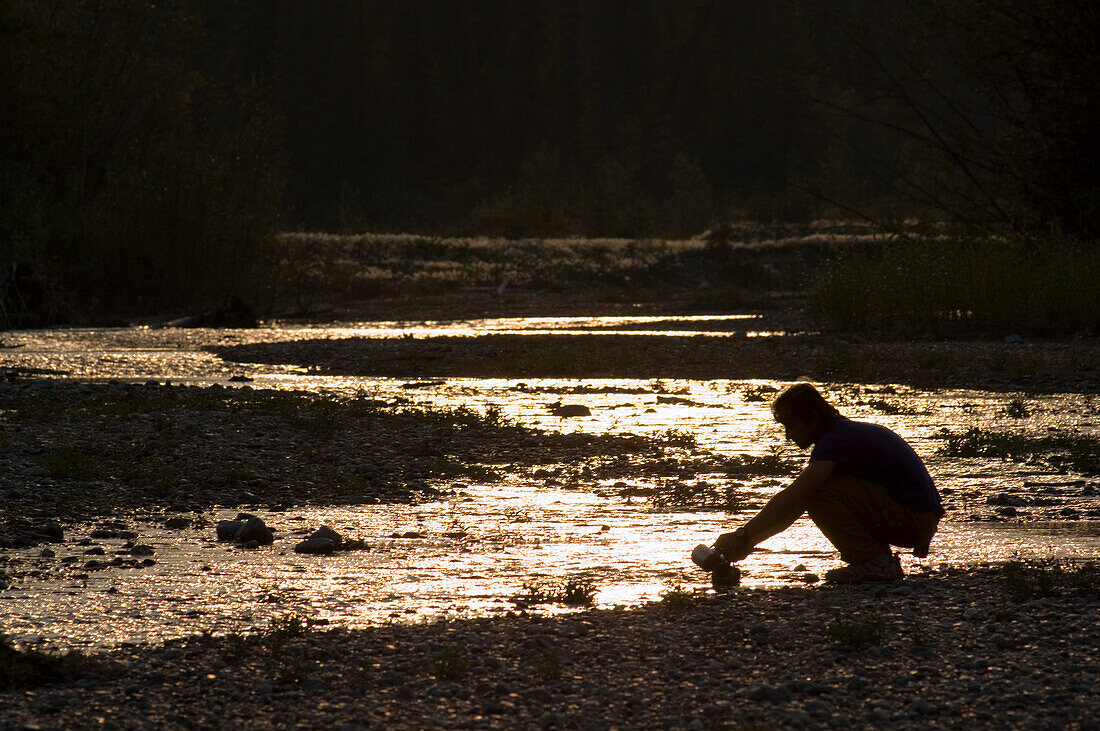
(778, 514)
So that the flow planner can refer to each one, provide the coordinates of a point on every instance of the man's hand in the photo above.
(733, 546)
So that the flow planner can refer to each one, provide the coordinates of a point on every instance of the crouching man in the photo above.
(864, 487)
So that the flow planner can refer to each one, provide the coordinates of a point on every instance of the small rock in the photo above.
(920, 706)
(777, 694)
(53, 532)
(177, 523)
(540, 696)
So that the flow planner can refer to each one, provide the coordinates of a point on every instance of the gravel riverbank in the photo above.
(90, 451)
(946, 649)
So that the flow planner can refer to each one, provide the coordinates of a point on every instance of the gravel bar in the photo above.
(950, 648)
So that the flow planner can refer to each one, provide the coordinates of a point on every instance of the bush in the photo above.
(135, 180)
(942, 285)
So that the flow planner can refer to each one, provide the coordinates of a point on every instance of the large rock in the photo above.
(228, 529)
(254, 529)
(316, 545)
(566, 410)
(325, 532)
(322, 541)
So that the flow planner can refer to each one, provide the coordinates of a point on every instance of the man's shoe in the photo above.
(886, 567)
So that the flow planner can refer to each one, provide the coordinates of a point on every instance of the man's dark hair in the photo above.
(802, 401)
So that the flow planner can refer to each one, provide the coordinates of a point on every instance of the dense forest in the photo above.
(151, 149)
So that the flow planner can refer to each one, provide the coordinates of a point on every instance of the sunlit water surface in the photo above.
(477, 551)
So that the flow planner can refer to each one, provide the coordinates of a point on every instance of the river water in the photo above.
(475, 552)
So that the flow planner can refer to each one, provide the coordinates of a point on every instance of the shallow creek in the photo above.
(473, 552)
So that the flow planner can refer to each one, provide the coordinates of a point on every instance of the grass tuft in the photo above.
(548, 664)
(450, 663)
(855, 631)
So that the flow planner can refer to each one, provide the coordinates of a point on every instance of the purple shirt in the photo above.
(874, 453)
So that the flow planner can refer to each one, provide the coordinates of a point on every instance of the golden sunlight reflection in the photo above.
(475, 552)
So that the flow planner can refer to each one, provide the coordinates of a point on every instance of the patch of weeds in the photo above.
(578, 593)
(29, 668)
(234, 646)
(1025, 580)
(547, 664)
(678, 494)
(678, 438)
(868, 628)
(1017, 409)
(240, 474)
(572, 592)
(286, 627)
(678, 598)
(759, 394)
(450, 663)
(1073, 451)
(1031, 579)
(67, 462)
(495, 417)
(1085, 578)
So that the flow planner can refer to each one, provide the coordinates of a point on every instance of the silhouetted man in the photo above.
(864, 487)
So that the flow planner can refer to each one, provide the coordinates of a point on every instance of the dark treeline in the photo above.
(150, 150)
(555, 116)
